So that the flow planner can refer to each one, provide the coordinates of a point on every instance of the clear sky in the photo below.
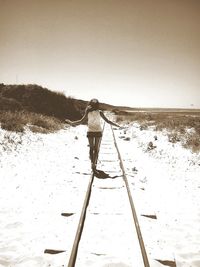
(143, 53)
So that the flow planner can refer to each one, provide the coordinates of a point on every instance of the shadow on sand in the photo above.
(103, 175)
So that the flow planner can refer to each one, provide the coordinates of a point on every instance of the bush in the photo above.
(12, 121)
(193, 142)
(174, 137)
(38, 123)
(12, 126)
(34, 98)
(175, 122)
(40, 108)
(9, 104)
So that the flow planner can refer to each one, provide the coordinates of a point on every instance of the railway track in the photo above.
(107, 231)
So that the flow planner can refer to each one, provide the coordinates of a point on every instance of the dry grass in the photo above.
(38, 108)
(183, 127)
(9, 141)
(36, 99)
(16, 121)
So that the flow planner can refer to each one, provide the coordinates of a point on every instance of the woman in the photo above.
(93, 115)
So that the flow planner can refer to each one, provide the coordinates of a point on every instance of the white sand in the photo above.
(43, 176)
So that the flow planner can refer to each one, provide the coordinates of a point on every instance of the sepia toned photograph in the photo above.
(99, 133)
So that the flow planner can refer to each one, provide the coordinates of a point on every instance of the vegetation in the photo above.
(34, 98)
(16, 121)
(181, 126)
(41, 109)
(44, 111)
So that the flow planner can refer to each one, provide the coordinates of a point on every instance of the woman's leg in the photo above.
(96, 146)
(91, 144)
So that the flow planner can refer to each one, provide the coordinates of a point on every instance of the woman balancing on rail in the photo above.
(93, 115)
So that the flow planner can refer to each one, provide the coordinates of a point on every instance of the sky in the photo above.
(142, 53)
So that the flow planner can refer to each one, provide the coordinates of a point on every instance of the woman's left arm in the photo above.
(107, 120)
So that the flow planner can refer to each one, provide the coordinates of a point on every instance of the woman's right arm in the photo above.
(74, 123)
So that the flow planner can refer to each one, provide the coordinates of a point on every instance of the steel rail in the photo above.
(74, 251)
(137, 226)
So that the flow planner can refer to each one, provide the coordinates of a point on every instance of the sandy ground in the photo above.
(44, 176)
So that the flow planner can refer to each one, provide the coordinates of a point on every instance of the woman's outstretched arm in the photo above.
(74, 123)
(107, 120)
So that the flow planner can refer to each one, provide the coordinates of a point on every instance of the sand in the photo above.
(45, 176)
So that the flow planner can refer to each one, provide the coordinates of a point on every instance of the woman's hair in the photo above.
(93, 104)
